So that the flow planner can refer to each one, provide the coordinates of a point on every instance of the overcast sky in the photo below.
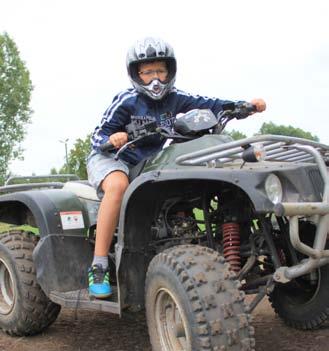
(75, 51)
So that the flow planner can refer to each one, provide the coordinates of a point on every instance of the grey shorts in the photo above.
(99, 166)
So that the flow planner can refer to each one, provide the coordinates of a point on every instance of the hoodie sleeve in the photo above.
(189, 102)
(115, 118)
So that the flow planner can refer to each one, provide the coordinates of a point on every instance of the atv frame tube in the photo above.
(318, 256)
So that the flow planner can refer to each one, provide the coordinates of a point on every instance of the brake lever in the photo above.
(124, 147)
(225, 116)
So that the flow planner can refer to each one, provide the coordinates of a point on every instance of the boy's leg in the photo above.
(113, 186)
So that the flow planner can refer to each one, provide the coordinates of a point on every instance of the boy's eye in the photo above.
(149, 73)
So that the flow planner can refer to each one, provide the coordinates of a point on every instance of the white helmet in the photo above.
(150, 50)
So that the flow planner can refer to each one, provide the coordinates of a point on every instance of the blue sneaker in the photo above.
(99, 282)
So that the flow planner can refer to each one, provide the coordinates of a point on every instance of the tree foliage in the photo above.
(77, 158)
(15, 95)
(271, 128)
(236, 135)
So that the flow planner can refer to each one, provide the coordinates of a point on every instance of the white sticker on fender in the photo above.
(72, 220)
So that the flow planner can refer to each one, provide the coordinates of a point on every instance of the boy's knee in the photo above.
(120, 186)
(116, 183)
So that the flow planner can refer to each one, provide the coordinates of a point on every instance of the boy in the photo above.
(151, 66)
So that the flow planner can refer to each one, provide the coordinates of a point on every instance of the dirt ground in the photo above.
(90, 331)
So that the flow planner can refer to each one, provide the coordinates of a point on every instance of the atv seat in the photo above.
(82, 189)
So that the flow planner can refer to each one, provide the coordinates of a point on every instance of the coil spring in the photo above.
(231, 243)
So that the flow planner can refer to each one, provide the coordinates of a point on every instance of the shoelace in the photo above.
(99, 274)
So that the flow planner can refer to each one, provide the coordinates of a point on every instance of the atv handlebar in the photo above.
(107, 147)
(135, 133)
(239, 110)
(245, 110)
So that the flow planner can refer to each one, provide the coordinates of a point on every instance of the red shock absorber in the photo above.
(231, 242)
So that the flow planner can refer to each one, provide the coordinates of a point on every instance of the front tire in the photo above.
(193, 302)
(24, 308)
(303, 303)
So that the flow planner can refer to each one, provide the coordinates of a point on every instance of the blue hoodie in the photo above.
(131, 106)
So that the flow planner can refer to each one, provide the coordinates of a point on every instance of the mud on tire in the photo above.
(193, 302)
(24, 308)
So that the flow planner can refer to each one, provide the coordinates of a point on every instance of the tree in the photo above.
(236, 135)
(271, 128)
(53, 171)
(78, 157)
(15, 95)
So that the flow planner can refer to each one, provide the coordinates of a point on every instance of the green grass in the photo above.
(199, 217)
(5, 227)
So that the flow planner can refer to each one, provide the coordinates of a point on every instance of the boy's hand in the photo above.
(118, 139)
(260, 104)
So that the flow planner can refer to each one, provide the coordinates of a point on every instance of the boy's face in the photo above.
(149, 70)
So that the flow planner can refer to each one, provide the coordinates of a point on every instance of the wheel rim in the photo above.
(7, 295)
(171, 322)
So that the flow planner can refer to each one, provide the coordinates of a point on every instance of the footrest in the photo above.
(80, 299)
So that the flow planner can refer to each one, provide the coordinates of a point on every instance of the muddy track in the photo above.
(86, 331)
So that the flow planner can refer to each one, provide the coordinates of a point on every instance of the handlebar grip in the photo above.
(107, 147)
(245, 109)
(251, 107)
(248, 107)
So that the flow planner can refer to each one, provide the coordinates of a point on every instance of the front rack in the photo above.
(278, 148)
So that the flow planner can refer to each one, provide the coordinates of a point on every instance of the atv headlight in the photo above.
(273, 188)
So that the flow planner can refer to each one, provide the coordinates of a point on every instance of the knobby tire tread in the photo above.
(219, 311)
(35, 312)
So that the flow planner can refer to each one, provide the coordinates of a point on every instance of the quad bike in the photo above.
(203, 223)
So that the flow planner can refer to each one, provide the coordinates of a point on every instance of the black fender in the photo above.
(17, 208)
(45, 206)
(62, 254)
(140, 201)
(139, 207)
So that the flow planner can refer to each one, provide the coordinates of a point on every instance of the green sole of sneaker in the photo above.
(103, 296)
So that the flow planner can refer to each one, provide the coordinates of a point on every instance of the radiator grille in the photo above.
(317, 182)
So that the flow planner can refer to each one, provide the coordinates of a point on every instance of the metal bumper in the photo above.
(318, 255)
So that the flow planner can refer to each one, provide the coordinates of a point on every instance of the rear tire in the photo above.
(24, 307)
(193, 303)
